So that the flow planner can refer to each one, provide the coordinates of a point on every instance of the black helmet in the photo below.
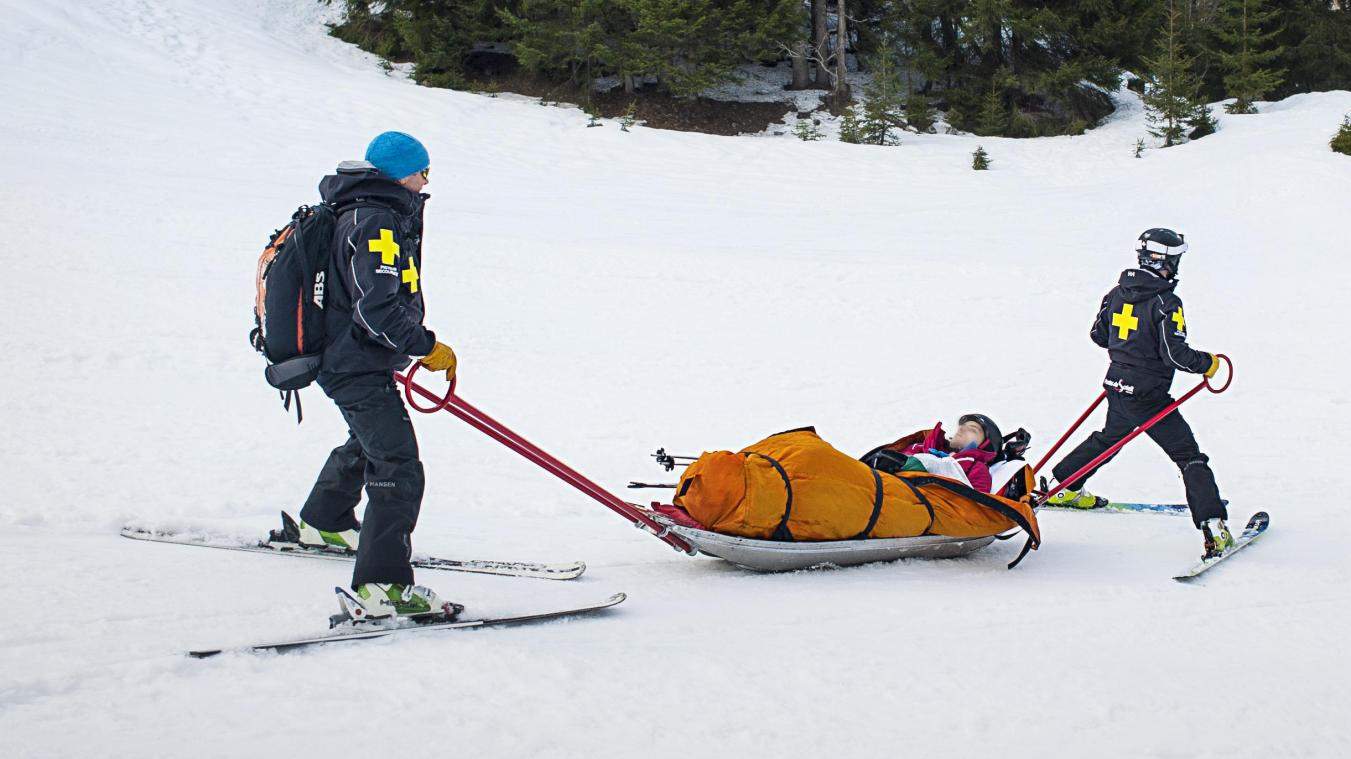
(994, 440)
(1161, 250)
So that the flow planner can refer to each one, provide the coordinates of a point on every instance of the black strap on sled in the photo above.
(989, 502)
(781, 532)
(923, 499)
(877, 507)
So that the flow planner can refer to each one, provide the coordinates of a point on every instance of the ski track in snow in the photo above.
(608, 293)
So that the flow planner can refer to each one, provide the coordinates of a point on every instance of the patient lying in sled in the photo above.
(965, 457)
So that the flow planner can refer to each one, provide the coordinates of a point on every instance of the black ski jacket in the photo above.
(373, 322)
(1142, 326)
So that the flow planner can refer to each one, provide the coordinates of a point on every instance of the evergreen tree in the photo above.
(1341, 142)
(686, 45)
(883, 104)
(436, 35)
(919, 113)
(807, 130)
(1170, 86)
(850, 129)
(994, 114)
(630, 116)
(1201, 122)
(1317, 36)
(980, 160)
(1051, 55)
(575, 41)
(1247, 35)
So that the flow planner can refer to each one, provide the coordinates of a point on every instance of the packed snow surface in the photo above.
(610, 292)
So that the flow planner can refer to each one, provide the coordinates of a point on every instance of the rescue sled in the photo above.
(915, 505)
(833, 512)
(779, 556)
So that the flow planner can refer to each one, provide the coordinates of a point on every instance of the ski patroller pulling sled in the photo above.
(1257, 524)
(759, 555)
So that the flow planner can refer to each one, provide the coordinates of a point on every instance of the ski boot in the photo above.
(1217, 537)
(342, 542)
(308, 536)
(393, 602)
(1077, 499)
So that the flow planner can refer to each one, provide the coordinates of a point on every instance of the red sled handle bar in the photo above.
(467, 413)
(1204, 384)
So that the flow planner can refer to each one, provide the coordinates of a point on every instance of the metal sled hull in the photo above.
(778, 556)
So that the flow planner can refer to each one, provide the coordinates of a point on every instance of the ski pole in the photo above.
(494, 429)
(670, 462)
(1101, 397)
(1204, 384)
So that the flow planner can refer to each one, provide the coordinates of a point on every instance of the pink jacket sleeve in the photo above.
(978, 473)
(935, 439)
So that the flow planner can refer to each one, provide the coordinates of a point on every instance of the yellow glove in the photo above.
(1214, 366)
(441, 359)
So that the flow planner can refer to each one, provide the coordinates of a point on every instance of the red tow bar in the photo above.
(494, 429)
(1170, 408)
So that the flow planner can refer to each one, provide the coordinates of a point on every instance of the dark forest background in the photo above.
(997, 67)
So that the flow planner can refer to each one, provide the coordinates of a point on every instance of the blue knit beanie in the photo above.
(397, 155)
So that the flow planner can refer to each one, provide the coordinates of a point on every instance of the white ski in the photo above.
(1256, 526)
(369, 631)
(560, 571)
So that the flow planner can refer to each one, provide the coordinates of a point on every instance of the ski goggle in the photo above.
(426, 174)
(1150, 246)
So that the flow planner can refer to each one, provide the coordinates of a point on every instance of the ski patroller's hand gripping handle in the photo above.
(1204, 384)
(494, 429)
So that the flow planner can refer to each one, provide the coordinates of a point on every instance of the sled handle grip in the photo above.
(1229, 375)
(440, 405)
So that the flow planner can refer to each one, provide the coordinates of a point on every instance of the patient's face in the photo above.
(966, 435)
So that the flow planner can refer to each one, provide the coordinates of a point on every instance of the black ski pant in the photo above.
(1172, 434)
(381, 453)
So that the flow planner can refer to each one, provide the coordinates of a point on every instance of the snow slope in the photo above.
(610, 292)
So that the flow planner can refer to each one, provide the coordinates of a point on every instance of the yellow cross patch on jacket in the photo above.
(1125, 321)
(410, 276)
(385, 246)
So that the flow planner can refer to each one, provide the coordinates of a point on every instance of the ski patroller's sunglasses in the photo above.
(426, 174)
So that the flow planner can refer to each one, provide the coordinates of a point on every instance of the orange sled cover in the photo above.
(796, 486)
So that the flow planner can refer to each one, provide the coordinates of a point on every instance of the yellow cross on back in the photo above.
(1126, 321)
(1180, 320)
(386, 247)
